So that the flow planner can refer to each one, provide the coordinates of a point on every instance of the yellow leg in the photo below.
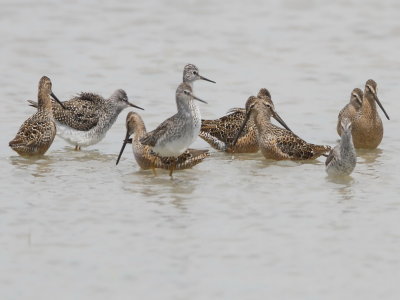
(154, 171)
(77, 148)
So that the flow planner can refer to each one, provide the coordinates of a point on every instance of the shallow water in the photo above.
(75, 226)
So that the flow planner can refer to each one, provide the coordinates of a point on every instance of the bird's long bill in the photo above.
(380, 105)
(279, 119)
(246, 119)
(198, 99)
(206, 79)
(126, 140)
(55, 98)
(133, 105)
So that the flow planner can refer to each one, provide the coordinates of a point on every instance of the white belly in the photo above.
(77, 137)
(175, 147)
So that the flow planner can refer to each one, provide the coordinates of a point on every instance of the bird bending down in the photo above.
(275, 142)
(220, 133)
(144, 155)
(342, 159)
(173, 136)
(37, 133)
(88, 117)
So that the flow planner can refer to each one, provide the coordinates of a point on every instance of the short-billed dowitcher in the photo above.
(274, 142)
(88, 117)
(342, 158)
(143, 153)
(220, 133)
(37, 133)
(173, 136)
(351, 109)
(191, 74)
(367, 125)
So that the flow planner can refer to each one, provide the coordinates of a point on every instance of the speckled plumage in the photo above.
(37, 133)
(191, 74)
(350, 111)
(173, 136)
(342, 158)
(367, 127)
(220, 133)
(88, 117)
(274, 142)
(144, 155)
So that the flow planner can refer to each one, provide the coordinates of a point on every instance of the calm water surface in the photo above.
(75, 226)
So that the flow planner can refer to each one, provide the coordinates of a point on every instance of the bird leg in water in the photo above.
(172, 168)
(153, 168)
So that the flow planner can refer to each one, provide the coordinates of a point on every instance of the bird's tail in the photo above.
(32, 103)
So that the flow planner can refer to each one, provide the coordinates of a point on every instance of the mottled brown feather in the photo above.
(82, 111)
(35, 135)
(144, 155)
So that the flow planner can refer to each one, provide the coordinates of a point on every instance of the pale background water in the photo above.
(75, 226)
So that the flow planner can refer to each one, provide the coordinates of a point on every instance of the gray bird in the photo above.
(173, 136)
(342, 158)
(191, 74)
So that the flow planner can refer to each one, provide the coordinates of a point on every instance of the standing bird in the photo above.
(275, 142)
(351, 109)
(173, 136)
(342, 159)
(191, 74)
(220, 133)
(367, 125)
(88, 117)
(37, 133)
(143, 153)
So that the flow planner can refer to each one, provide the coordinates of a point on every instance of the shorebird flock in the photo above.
(85, 119)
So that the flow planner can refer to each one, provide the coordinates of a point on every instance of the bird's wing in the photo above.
(152, 137)
(34, 132)
(333, 154)
(227, 127)
(294, 147)
(81, 112)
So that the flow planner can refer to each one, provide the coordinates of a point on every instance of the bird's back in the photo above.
(279, 143)
(35, 135)
(221, 133)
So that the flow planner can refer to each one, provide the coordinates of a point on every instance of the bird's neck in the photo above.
(140, 130)
(368, 107)
(190, 83)
(346, 143)
(187, 107)
(44, 102)
(262, 120)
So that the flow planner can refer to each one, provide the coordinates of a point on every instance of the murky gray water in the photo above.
(75, 226)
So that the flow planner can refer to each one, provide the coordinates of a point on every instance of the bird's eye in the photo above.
(195, 73)
(186, 92)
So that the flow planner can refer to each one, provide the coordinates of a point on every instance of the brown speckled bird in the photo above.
(367, 127)
(220, 133)
(274, 142)
(351, 109)
(37, 133)
(144, 156)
